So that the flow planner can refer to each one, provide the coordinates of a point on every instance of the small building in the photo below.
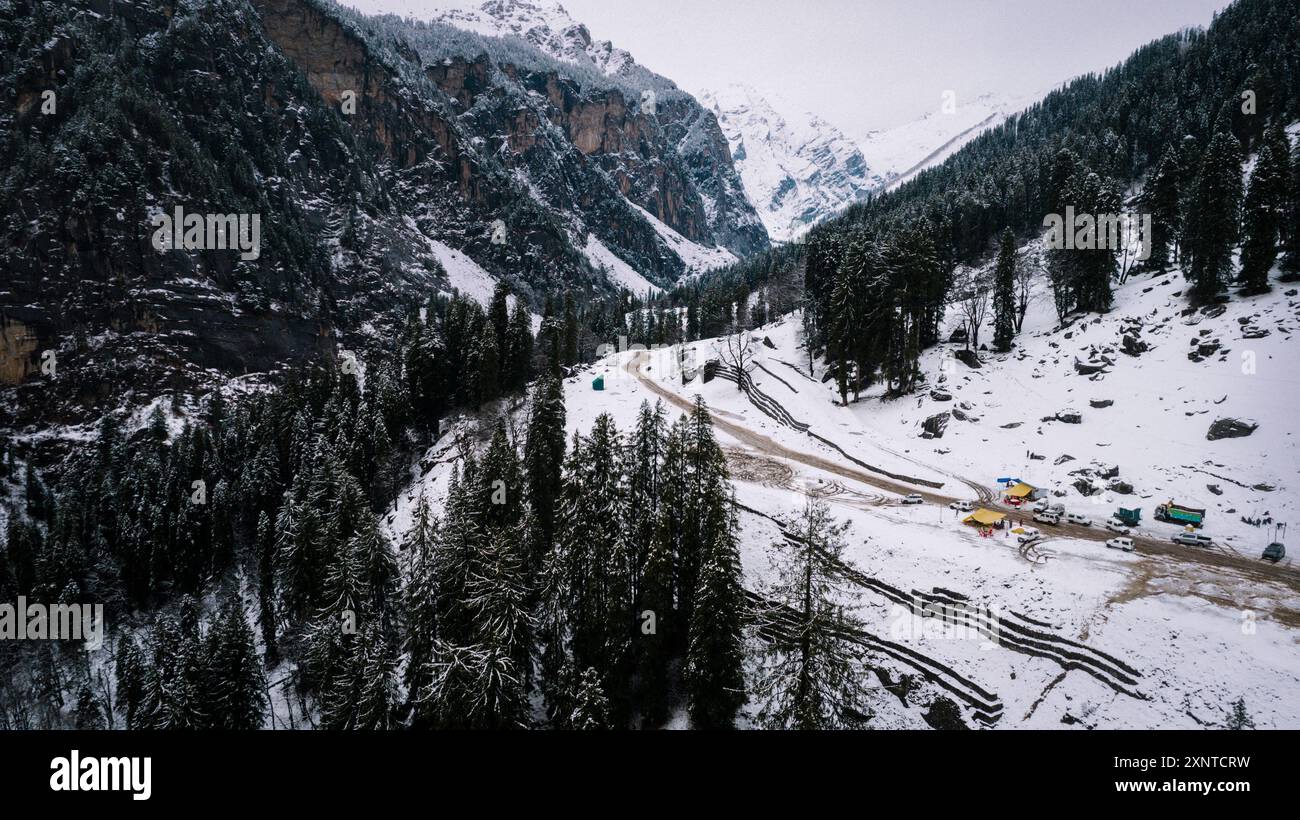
(598, 383)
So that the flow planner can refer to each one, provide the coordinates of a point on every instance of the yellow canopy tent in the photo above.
(1021, 490)
(983, 517)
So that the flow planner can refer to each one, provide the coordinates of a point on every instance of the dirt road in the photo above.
(1216, 558)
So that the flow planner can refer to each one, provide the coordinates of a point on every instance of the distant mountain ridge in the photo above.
(897, 154)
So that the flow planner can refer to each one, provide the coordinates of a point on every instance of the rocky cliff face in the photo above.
(379, 157)
(660, 145)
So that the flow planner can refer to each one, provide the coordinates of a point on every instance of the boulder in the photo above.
(935, 425)
(1132, 345)
(963, 415)
(968, 357)
(1062, 459)
(1070, 416)
(1121, 487)
(940, 395)
(1231, 428)
(1098, 404)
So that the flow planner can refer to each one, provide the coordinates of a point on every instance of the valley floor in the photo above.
(1065, 631)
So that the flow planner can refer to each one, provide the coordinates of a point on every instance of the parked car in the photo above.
(1045, 505)
(1029, 536)
(913, 498)
(1117, 526)
(1193, 539)
(1079, 519)
(1121, 543)
(961, 506)
(1274, 552)
(1047, 518)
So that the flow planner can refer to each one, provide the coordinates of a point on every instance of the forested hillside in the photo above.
(1174, 122)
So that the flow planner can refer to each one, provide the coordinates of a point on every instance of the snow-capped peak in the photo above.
(797, 169)
(546, 25)
(897, 154)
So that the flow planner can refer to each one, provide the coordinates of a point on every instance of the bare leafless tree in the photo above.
(973, 295)
(737, 351)
(1030, 264)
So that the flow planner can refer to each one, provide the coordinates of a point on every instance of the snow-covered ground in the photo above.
(1146, 639)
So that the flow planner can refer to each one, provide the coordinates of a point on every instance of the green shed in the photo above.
(598, 383)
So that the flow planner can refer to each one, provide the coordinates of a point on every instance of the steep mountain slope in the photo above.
(797, 171)
(692, 131)
(897, 154)
(384, 161)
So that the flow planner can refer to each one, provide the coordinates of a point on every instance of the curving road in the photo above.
(1216, 558)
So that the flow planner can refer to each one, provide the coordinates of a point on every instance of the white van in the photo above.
(1125, 544)
(1029, 535)
(1047, 518)
(1078, 519)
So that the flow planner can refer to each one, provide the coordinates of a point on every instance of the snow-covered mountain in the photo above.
(797, 169)
(897, 154)
(546, 25)
(648, 103)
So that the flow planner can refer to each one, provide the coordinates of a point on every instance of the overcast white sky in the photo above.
(866, 64)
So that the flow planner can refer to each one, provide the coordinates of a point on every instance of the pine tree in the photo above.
(644, 457)
(502, 482)
(715, 658)
(811, 676)
(544, 464)
(569, 351)
(1264, 212)
(375, 555)
(266, 589)
(462, 683)
(1161, 198)
(235, 691)
(591, 707)
(419, 598)
(519, 348)
(174, 677)
(376, 669)
(1291, 228)
(499, 315)
(88, 713)
(595, 561)
(1212, 229)
(489, 367)
(1239, 718)
(1004, 293)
